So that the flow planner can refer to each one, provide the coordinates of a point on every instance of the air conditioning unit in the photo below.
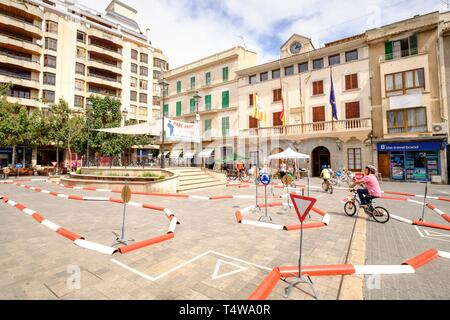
(440, 128)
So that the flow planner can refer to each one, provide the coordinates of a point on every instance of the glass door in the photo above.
(398, 166)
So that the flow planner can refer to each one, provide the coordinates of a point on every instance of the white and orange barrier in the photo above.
(407, 267)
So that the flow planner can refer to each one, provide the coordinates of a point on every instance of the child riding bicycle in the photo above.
(372, 188)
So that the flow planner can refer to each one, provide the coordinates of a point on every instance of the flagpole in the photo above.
(301, 104)
(332, 115)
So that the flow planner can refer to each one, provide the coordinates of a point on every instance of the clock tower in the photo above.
(295, 45)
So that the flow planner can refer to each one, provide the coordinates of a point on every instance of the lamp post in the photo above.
(124, 121)
(164, 85)
(197, 98)
(88, 107)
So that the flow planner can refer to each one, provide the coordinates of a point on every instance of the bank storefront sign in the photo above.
(410, 146)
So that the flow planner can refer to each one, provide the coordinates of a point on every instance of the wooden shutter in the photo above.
(276, 119)
(250, 99)
(252, 122)
(352, 110)
(351, 81)
(413, 44)
(276, 95)
(319, 114)
(388, 50)
(317, 87)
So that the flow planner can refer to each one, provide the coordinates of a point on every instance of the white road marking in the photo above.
(433, 238)
(216, 275)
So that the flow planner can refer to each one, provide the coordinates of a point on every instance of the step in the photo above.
(187, 170)
(199, 181)
(190, 174)
(201, 186)
(197, 177)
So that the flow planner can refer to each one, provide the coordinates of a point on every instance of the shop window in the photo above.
(407, 120)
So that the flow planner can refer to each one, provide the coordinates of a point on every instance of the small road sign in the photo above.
(126, 194)
(265, 179)
(19, 166)
(302, 205)
(287, 180)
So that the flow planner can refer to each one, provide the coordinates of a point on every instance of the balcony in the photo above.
(28, 8)
(110, 81)
(19, 42)
(313, 129)
(18, 59)
(96, 33)
(23, 25)
(7, 76)
(105, 47)
(102, 64)
(399, 55)
(95, 91)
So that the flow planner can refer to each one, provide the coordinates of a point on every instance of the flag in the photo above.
(333, 98)
(283, 111)
(258, 112)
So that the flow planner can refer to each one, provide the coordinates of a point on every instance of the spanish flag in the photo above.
(283, 111)
(258, 109)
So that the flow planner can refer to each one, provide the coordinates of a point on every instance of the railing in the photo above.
(104, 47)
(311, 128)
(13, 17)
(17, 56)
(16, 75)
(95, 75)
(399, 54)
(9, 35)
(112, 64)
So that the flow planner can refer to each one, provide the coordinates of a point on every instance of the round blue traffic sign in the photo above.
(19, 166)
(265, 179)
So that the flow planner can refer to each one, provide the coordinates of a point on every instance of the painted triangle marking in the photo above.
(436, 234)
(216, 275)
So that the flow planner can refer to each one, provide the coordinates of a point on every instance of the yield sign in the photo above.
(302, 205)
(219, 263)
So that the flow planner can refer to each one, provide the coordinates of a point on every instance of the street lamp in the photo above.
(164, 86)
(197, 98)
(124, 115)
(88, 107)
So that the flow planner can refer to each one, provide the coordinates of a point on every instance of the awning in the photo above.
(289, 154)
(165, 154)
(175, 154)
(189, 154)
(206, 153)
(148, 147)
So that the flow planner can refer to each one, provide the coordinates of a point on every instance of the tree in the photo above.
(58, 125)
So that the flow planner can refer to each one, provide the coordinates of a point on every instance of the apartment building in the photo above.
(160, 66)
(209, 88)
(302, 79)
(56, 49)
(407, 97)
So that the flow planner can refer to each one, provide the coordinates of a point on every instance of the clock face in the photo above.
(295, 48)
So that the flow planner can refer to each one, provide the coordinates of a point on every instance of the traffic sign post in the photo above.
(256, 175)
(302, 206)
(265, 180)
(126, 197)
(18, 167)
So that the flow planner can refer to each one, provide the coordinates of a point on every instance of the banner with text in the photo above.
(182, 131)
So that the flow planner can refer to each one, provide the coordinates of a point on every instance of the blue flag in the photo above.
(333, 100)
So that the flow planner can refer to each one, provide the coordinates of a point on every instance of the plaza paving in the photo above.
(211, 255)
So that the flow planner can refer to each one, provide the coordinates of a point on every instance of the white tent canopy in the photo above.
(289, 154)
(206, 153)
(151, 128)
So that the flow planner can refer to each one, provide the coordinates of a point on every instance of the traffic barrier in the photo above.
(266, 286)
(68, 234)
(318, 271)
(422, 259)
(145, 243)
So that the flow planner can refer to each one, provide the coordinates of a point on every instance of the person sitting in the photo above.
(372, 188)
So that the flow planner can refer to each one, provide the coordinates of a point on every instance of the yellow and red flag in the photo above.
(259, 111)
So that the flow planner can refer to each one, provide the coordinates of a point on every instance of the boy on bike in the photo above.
(325, 175)
(372, 187)
(239, 168)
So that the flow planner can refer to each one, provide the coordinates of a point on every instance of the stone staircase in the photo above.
(195, 179)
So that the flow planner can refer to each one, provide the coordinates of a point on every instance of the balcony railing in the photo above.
(16, 75)
(312, 128)
(105, 47)
(108, 63)
(113, 79)
(16, 37)
(19, 19)
(399, 54)
(18, 56)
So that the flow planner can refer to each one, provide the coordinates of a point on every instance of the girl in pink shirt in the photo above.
(372, 186)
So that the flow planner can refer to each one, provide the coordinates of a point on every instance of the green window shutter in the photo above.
(178, 86)
(192, 82)
(208, 102)
(225, 99)
(208, 78)
(225, 126)
(388, 50)
(192, 105)
(413, 44)
(178, 109)
(225, 74)
(166, 110)
(208, 126)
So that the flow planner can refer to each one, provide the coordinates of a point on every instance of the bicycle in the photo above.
(327, 187)
(380, 214)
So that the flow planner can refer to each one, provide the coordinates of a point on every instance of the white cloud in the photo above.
(189, 30)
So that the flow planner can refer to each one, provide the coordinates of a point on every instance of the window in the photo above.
(264, 76)
(208, 102)
(352, 110)
(401, 48)
(79, 85)
(252, 79)
(133, 67)
(351, 55)
(303, 67)
(351, 81)
(79, 68)
(166, 110)
(250, 100)
(156, 101)
(208, 126)
(333, 60)
(50, 44)
(178, 114)
(407, 120)
(225, 126)
(317, 87)
(208, 78)
(276, 120)
(78, 101)
(81, 37)
(407, 80)
(289, 71)
(276, 95)
(276, 74)
(49, 78)
(144, 57)
(143, 97)
(48, 96)
(225, 99)
(252, 122)
(318, 64)
(319, 114)
(49, 61)
(51, 26)
(134, 54)
(156, 74)
(133, 82)
(354, 159)
(225, 74)
(133, 95)
(192, 83)
(178, 86)
(81, 53)
(144, 71)
(143, 84)
(192, 105)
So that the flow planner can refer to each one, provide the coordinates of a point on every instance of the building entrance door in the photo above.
(321, 157)
(384, 165)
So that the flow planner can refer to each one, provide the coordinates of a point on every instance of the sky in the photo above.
(187, 30)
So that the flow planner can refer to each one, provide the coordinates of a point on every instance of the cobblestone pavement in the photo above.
(211, 256)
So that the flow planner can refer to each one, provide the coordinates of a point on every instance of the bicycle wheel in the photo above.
(331, 189)
(350, 208)
(333, 182)
(381, 215)
(324, 187)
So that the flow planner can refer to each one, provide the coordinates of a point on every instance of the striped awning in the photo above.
(189, 154)
(176, 154)
(206, 153)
